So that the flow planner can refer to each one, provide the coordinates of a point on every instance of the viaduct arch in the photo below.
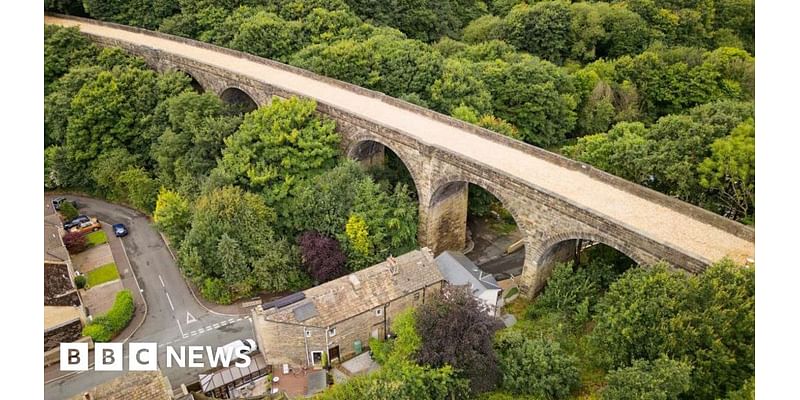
(554, 200)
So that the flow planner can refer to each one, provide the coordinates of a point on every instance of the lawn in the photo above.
(96, 238)
(106, 273)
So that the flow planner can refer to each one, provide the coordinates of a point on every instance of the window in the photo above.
(332, 332)
(379, 311)
(316, 357)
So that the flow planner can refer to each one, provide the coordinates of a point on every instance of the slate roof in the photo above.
(139, 385)
(459, 270)
(360, 291)
(54, 250)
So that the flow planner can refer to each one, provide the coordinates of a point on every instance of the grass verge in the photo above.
(106, 273)
(96, 238)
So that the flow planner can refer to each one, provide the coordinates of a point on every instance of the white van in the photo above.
(232, 347)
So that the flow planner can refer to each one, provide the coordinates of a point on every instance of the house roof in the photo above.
(54, 250)
(139, 385)
(458, 270)
(327, 304)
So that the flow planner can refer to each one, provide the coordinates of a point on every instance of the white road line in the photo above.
(170, 302)
(216, 326)
(240, 318)
(194, 333)
(223, 323)
(208, 328)
(231, 320)
(179, 328)
(162, 281)
(185, 336)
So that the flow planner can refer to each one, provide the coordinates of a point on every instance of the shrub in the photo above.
(215, 290)
(649, 380)
(105, 327)
(536, 367)
(322, 256)
(75, 242)
(80, 281)
(68, 210)
(566, 290)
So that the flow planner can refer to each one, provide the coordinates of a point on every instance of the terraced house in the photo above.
(340, 316)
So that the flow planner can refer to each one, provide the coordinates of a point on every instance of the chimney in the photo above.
(393, 268)
(354, 281)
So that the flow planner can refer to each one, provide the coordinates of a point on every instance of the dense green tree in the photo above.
(268, 35)
(535, 96)
(143, 13)
(196, 127)
(536, 367)
(460, 85)
(543, 29)
(64, 48)
(172, 215)
(57, 102)
(229, 226)
(662, 379)
(483, 29)
(278, 145)
(115, 110)
(279, 269)
(707, 320)
(729, 172)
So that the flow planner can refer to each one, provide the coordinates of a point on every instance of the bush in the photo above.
(215, 290)
(68, 210)
(567, 290)
(75, 242)
(80, 281)
(657, 380)
(105, 327)
(536, 367)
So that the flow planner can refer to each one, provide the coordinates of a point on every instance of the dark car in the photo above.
(58, 201)
(120, 230)
(77, 221)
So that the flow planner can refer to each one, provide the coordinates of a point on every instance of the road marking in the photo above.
(179, 327)
(190, 318)
(223, 323)
(216, 326)
(162, 281)
(208, 328)
(231, 320)
(185, 335)
(170, 301)
(194, 333)
(201, 330)
(240, 318)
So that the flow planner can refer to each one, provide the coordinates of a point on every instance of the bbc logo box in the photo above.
(109, 357)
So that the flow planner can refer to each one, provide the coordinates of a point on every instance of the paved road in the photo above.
(656, 222)
(173, 316)
(510, 264)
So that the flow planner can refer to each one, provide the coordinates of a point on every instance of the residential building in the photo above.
(458, 270)
(339, 317)
(139, 385)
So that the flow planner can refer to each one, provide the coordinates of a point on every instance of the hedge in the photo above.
(105, 327)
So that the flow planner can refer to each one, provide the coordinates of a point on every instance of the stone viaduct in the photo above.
(555, 201)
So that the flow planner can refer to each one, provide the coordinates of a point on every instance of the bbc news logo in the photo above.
(144, 357)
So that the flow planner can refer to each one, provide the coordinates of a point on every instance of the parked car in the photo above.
(75, 222)
(87, 226)
(58, 201)
(120, 230)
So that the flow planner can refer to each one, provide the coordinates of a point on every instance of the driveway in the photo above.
(173, 315)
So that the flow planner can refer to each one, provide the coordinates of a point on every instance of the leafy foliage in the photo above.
(75, 242)
(104, 327)
(68, 211)
(661, 379)
(535, 367)
(707, 320)
(172, 215)
(322, 256)
(455, 330)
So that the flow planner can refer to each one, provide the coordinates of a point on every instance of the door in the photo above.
(334, 352)
(377, 331)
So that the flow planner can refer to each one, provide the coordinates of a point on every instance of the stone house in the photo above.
(339, 317)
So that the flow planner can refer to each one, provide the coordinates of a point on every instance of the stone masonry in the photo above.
(547, 220)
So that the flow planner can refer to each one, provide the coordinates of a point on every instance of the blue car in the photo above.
(120, 230)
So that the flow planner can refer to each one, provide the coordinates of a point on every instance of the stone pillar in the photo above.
(537, 269)
(447, 219)
(369, 154)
